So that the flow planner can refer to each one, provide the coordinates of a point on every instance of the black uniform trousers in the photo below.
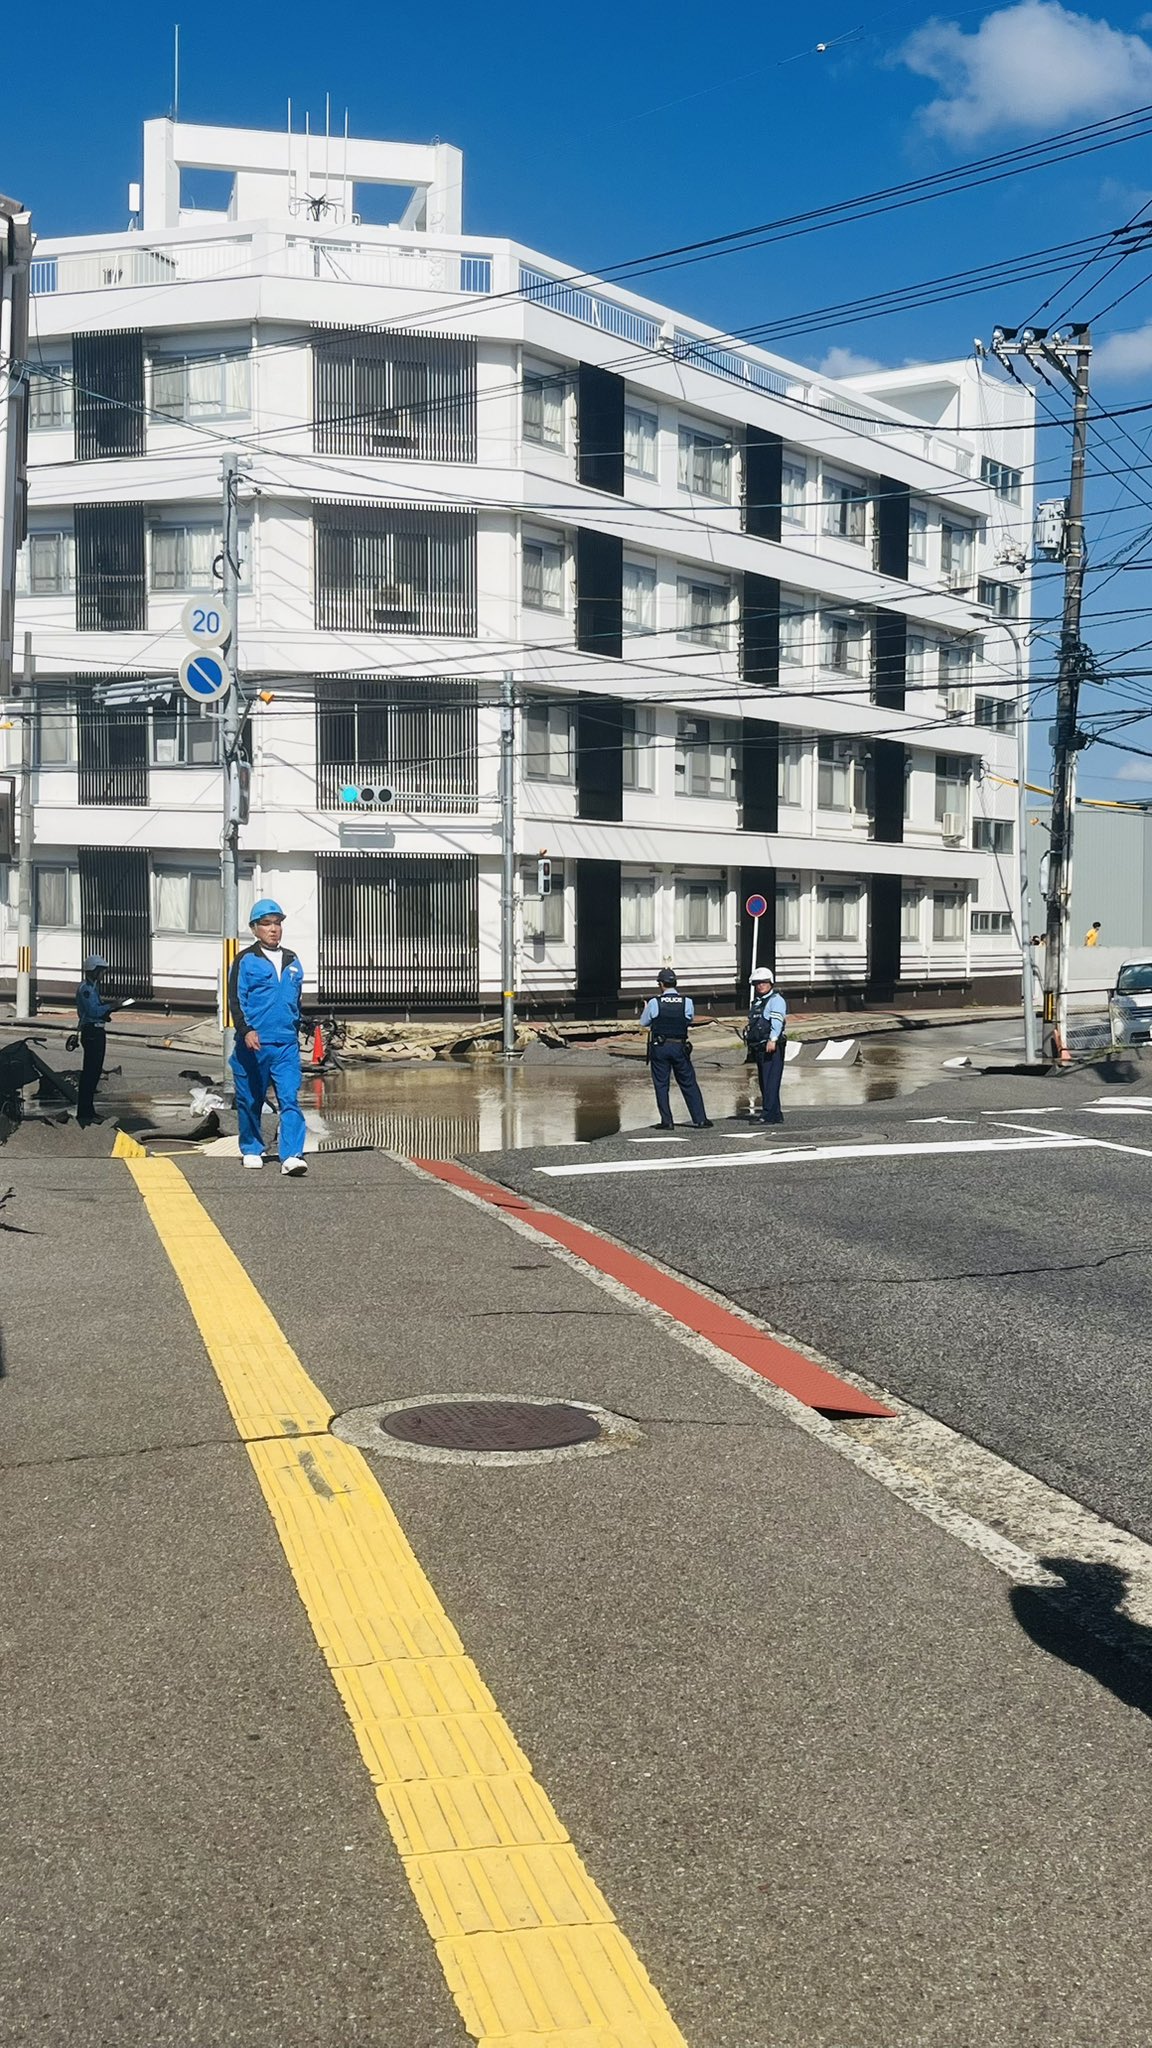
(770, 1072)
(671, 1056)
(94, 1040)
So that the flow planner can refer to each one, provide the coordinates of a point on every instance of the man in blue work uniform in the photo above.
(668, 1016)
(264, 991)
(766, 1022)
(93, 1013)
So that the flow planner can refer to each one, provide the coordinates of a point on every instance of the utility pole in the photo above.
(1024, 920)
(16, 244)
(231, 725)
(1069, 355)
(508, 860)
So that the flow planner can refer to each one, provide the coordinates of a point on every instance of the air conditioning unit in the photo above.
(956, 703)
(952, 825)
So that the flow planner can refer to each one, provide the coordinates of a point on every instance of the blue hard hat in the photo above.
(264, 908)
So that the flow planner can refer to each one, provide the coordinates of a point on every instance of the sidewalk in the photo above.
(832, 1792)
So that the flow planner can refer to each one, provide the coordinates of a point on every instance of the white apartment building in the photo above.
(760, 623)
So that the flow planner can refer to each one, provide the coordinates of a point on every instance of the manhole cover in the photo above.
(492, 1425)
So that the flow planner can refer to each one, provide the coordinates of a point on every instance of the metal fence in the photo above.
(398, 931)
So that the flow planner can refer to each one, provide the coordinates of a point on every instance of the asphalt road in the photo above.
(1008, 1292)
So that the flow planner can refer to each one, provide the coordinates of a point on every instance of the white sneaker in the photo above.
(294, 1166)
(253, 1161)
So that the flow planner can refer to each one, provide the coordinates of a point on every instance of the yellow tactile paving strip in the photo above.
(526, 1941)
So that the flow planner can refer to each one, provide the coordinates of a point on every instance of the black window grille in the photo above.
(112, 747)
(392, 569)
(599, 758)
(108, 409)
(399, 931)
(763, 483)
(111, 572)
(115, 917)
(415, 735)
(890, 675)
(600, 429)
(599, 592)
(398, 394)
(892, 510)
(760, 631)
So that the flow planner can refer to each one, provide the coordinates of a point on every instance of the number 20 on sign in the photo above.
(206, 622)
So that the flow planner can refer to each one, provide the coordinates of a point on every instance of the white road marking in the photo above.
(1036, 1141)
(836, 1049)
(1130, 1101)
(657, 1141)
(1057, 1109)
(943, 1119)
(792, 1049)
(1115, 1109)
(1100, 1144)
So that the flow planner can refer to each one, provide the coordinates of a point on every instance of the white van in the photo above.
(1130, 1004)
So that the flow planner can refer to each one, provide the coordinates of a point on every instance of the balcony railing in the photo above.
(427, 268)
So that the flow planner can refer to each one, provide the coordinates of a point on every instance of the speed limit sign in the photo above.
(206, 622)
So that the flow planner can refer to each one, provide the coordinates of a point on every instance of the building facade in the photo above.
(762, 625)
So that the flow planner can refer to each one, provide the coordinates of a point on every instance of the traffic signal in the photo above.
(543, 878)
(366, 793)
(7, 818)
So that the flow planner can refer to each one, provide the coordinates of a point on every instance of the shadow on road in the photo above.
(1063, 1621)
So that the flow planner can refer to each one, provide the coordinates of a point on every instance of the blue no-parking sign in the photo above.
(756, 906)
(204, 678)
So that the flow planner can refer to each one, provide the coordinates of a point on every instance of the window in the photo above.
(917, 533)
(55, 729)
(916, 670)
(542, 574)
(188, 900)
(910, 914)
(640, 444)
(705, 463)
(794, 494)
(49, 396)
(703, 611)
(997, 712)
(1004, 481)
(544, 407)
(1002, 599)
(788, 780)
(845, 509)
(699, 909)
(955, 665)
(543, 916)
(997, 921)
(951, 786)
(837, 911)
(845, 644)
(956, 552)
(705, 758)
(47, 564)
(992, 835)
(185, 557)
(948, 908)
(58, 898)
(639, 733)
(183, 737)
(202, 387)
(637, 909)
(792, 620)
(639, 593)
(787, 910)
(548, 742)
(843, 776)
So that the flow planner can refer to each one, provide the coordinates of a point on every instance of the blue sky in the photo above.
(598, 135)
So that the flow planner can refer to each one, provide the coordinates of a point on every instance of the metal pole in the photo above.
(508, 860)
(15, 282)
(230, 726)
(1028, 1001)
(1067, 736)
(25, 1009)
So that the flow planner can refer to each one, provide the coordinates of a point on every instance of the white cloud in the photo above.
(844, 362)
(1124, 355)
(1134, 771)
(1035, 65)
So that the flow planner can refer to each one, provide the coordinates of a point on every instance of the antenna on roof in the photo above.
(176, 71)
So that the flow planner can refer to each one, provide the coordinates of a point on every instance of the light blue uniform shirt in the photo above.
(652, 1009)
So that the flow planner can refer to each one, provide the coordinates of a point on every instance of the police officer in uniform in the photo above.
(767, 1018)
(668, 1016)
